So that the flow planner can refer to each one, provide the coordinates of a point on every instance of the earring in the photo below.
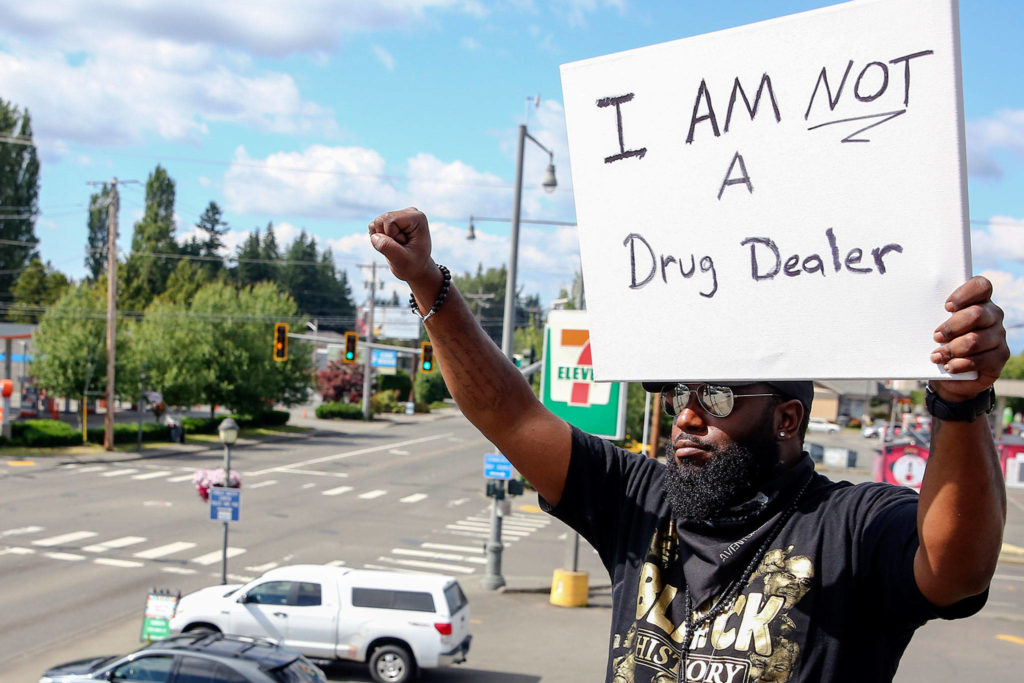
(782, 435)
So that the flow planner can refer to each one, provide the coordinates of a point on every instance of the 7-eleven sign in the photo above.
(568, 388)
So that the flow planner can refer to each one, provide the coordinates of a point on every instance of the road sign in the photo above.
(497, 466)
(225, 504)
(568, 388)
(384, 360)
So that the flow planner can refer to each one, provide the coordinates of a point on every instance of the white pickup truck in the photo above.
(396, 622)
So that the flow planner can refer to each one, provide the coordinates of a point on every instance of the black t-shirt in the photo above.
(832, 597)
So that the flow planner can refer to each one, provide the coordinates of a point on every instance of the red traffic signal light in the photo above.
(351, 340)
(426, 357)
(280, 342)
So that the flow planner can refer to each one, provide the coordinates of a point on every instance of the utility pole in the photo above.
(112, 207)
(368, 357)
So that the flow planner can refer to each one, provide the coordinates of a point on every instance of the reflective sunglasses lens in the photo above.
(717, 400)
(678, 401)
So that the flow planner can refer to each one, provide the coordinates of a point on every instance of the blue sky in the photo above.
(319, 114)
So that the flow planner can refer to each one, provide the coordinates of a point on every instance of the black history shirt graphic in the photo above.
(750, 641)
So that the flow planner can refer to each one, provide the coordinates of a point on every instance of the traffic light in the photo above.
(351, 340)
(426, 357)
(281, 342)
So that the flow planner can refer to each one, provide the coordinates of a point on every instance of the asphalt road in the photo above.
(83, 540)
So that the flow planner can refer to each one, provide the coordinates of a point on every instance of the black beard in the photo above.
(732, 475)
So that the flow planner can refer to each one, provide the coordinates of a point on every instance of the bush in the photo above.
(129, 433)
(383, 402)
(335, 410)
(430, 387)
(268, 418)
(400, 383)
(200, 425)
(37, 433)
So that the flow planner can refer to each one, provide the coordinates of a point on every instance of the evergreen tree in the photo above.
(148, 266)
(99, 229)
(19, 194)
(214, 228)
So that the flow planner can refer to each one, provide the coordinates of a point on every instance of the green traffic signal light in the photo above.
(427, 365)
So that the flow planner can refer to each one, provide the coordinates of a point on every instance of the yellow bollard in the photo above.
(569, 589)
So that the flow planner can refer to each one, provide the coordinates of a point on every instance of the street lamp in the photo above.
(228, 431)
(549, 184)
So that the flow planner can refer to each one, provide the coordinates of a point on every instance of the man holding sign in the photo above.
(735, 561)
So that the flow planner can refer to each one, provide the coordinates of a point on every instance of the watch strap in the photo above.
(960, 411)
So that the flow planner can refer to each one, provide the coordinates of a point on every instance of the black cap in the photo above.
(802, 391)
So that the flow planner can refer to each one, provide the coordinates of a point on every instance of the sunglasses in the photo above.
(717, 400)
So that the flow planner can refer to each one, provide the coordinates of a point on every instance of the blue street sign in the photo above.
(384, 358)
(497, 466)
(225, 504)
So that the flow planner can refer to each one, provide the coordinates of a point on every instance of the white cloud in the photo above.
(986, 138)
(1000, 242)
(384, 57)
(325, 182)
(455, 190)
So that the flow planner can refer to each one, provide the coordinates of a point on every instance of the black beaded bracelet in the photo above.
(441, 296)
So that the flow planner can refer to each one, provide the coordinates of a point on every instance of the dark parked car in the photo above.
(193, 658)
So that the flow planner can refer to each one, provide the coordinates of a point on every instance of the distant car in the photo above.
(207, 657)
(873, 430)
(818, 424)
(396, 622)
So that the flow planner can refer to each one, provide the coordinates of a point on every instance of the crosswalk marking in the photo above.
(260, 568)
(178, 570)
(64, 539)
(458, 548)
(113, 562)
(337, 491)
(427, 553)
(122, 542)
(119, 473)
(83, 470)
(67, 557)
(216, 556)
(182, 477)
(336, 563)
(17, 551)
(477, 560)
(151, 475)
(370, 495)
(458, 569)
(259, 485)
(20, 531)
(414, 498)
(163, 550)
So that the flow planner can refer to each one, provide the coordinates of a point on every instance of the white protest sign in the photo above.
(785, 200)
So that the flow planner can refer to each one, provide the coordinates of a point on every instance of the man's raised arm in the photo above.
(489, 389)
(962, 509)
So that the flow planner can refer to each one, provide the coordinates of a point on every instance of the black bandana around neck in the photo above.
(713, 553)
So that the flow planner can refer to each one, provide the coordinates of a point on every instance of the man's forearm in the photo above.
(961, 512)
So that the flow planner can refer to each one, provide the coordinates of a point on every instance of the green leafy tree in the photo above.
(485, 293)
(214, 229)
(148, 266)
(72, 342)
(187, 279)
(37, 287)
(99, 230)
(217, 350)
(19, 195)
(257, 259)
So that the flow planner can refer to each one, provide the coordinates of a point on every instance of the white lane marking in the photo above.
(113, 562)
(122, 542)
(183, 477)
(161, 551)
(336, 563)
(480, 528)
(119, 473)
(237, 578)
(74, 469)
(370, 495)
(428, 565)
(67, 557)
(399, 451)
(178, 570)
(216, 555)
(470, 534)
(426, 553)
(260, 568)
(314, 473)
(307, 486)
(336, 492)
(456, 502)
(517, 521)
(268, 482)
(477, 560)
(21, 531)
(14, 550)
(151, 475)
(414, 498)
(64, 539)
(350, 454)
(458, 548)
